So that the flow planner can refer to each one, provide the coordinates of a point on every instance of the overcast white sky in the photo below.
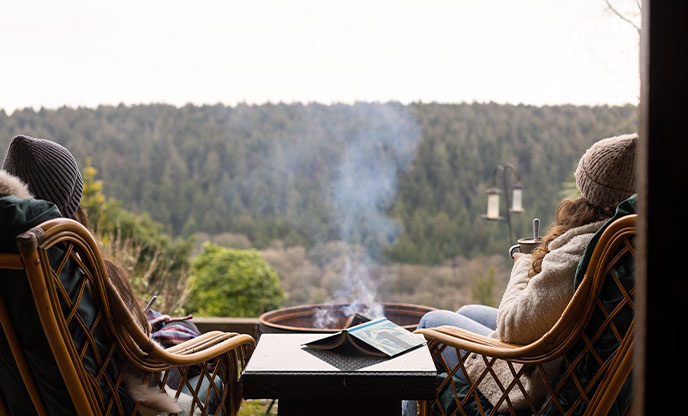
(86, 53)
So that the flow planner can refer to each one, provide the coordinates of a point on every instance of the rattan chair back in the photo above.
(95, 340)
(584, 361)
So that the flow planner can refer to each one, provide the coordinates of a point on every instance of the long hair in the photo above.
(119, 279)
(571, 213)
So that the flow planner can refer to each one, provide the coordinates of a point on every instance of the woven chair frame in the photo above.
(219, 356)
(572, 339)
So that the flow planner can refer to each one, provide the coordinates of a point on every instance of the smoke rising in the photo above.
(362, 192)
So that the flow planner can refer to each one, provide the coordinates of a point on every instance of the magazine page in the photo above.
(386, 336)
(330, 341)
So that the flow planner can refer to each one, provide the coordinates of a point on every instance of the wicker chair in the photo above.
(592, 341)
(90, 340)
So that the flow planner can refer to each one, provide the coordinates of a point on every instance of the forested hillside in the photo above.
(406, 181)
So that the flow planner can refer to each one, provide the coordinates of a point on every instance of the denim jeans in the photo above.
(479, 319)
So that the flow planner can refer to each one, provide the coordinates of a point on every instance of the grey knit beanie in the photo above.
(48, 169)
(606, 173)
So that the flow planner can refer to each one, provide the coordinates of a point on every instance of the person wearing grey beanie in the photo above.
(49, 170)
(542, 283)
(39, 169)
(50, 173)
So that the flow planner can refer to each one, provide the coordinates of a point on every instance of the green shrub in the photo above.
(231, 282)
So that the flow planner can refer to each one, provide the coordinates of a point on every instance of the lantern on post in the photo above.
(517, 198)
(493, 203)
(494, 192)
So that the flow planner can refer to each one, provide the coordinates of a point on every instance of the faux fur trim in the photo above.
(149, 396)
(11, 185)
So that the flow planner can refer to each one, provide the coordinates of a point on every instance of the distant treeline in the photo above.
(406, 181)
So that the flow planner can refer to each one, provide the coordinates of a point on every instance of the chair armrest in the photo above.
(204, 347)
(469, 341)
(219, 356)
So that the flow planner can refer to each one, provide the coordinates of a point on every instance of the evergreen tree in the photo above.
(269, 171)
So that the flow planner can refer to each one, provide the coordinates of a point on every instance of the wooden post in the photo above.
(662, 286)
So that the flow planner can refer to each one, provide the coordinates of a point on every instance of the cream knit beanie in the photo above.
(606, 173)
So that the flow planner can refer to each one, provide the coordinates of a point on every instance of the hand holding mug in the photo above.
(528, 244)
(524, 246)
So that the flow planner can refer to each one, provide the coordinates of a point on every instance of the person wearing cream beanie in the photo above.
(606, 173)
(542, 283)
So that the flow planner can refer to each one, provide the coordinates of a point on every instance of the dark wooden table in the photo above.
(345, 382)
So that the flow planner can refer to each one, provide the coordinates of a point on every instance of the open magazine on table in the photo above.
(380, 337)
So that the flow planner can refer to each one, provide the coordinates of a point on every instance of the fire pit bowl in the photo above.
(300, 319)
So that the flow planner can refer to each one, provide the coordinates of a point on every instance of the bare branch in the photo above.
(621, 16)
